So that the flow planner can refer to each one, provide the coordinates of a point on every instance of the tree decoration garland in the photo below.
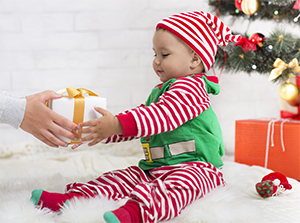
(276, 10)
(258, 53)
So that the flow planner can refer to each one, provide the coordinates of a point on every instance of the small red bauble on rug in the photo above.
(272, 184)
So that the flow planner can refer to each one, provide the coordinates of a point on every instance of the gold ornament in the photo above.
(288, 91)
(280, 66)
(249, 7)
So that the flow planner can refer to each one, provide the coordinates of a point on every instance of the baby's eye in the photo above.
(165, 55)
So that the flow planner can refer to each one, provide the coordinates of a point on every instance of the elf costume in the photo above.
(179, 165)
(180, 135)
(189, 141)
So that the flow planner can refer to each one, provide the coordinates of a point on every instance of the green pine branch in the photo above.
(275, 10)
(279, 44)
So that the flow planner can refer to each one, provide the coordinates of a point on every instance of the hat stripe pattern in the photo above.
(190, 42)
(200, 35)
(176, 28)
(195, 34)
(201, 31)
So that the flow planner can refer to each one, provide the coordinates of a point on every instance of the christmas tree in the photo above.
(277, 10)
(275, 54)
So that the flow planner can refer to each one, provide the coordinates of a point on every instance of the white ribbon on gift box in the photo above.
(271, 129)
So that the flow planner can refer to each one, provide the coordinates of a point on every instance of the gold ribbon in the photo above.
(280, 66)
(78, 105)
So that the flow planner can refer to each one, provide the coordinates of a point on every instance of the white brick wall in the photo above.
(106, 46)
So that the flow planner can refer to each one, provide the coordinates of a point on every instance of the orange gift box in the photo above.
(272, 143)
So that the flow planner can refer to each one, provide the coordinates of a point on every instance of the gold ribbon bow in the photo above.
(280, 66)
(78, 104)
(72, 92)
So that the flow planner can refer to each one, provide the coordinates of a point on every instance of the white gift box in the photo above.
(65, 106)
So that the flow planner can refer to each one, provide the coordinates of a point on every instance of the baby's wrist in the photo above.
(118, 126)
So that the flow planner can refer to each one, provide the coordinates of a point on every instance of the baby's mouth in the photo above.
(160, 71)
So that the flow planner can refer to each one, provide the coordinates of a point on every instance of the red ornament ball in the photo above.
(238, 4)
(257, 39)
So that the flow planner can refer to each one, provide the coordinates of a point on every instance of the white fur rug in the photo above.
(26, 167)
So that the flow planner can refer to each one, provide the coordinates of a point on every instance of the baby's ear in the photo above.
(196, 61)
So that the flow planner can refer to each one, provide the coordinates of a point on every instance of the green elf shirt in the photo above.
(199, 139)
(176, 124)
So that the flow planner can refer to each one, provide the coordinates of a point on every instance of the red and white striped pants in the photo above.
(161, 193)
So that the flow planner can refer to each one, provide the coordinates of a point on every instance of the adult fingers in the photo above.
(43, 139)
(54, 139)
(63, 121)
(61, 131)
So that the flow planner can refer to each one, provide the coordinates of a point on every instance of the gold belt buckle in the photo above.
(147, 152)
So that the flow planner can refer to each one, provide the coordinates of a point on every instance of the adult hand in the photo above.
(42, 122)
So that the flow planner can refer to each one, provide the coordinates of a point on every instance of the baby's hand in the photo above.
(76, 145)
(100, 128)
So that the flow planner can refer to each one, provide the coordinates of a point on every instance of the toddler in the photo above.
(179, 132)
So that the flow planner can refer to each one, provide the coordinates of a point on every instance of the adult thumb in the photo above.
(48, 94)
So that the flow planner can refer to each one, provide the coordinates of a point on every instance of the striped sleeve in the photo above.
(118, 138)
(185, 100)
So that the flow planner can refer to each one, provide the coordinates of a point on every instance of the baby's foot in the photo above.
(130, 212)
(53, 201)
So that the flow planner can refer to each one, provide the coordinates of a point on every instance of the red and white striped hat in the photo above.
(201, 31)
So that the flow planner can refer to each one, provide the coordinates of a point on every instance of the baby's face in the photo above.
(172, 57)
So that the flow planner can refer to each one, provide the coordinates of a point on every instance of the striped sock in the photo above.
(128, 213)
(53, 201)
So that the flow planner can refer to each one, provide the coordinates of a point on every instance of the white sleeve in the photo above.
(11, 109)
